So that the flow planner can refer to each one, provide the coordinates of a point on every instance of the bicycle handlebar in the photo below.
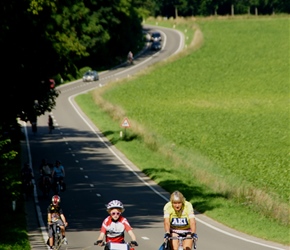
(182, 238)
(97, 243)
(104, 243)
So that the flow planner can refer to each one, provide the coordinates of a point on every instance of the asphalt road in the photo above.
(96, 173)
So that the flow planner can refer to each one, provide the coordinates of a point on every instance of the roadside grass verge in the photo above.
(13, 231)
(213, 124)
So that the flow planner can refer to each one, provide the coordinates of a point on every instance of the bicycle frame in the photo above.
(57, 185)
(181, 239)
(57, 237)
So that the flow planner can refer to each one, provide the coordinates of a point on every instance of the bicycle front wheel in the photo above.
(57, 241)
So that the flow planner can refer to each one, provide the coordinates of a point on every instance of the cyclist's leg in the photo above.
(187, 244)
(50, 235)
(174, 243)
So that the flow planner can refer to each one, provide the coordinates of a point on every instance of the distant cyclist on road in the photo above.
(26, 178)
(179, 219)
(58, 174)
(50, 124)
(45, 171)
(130, 57)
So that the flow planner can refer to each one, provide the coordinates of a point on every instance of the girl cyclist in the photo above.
(179, 219)
(115, 225)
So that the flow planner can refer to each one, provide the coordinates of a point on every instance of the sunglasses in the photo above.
(115, 213)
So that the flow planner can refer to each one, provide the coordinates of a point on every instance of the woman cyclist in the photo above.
(115, 225)
(58, 174)
(179, 220)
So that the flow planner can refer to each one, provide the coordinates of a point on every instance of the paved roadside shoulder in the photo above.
(34, 230)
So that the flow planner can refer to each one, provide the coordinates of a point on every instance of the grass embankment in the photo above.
(213, 124)
(13, 234)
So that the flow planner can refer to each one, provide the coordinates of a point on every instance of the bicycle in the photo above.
(57, 236)
(180, 239)
(117, 246)
(58, 185)
(45, 184)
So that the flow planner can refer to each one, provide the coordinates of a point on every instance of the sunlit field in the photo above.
(215, 122)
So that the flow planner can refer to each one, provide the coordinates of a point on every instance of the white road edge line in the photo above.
(39, 214)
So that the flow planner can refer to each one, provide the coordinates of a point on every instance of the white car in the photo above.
(90, 76)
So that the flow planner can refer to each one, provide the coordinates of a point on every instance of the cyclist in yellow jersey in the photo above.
(179, 219)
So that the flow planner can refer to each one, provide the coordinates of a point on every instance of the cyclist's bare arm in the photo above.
(192, 223)
(167, 225)
(132, 235)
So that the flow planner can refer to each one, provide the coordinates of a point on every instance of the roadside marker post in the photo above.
(125, 124)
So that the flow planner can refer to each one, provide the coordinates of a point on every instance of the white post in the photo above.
(13, 205)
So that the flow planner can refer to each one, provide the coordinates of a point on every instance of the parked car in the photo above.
(90, 76)
(156, 36)
(156, 45)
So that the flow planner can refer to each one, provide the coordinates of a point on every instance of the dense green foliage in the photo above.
(43, 39)
(13, 223)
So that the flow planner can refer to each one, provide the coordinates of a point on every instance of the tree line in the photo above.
(175, 8)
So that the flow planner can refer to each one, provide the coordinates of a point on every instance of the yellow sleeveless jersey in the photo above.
(179, 220)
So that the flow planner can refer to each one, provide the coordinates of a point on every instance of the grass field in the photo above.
(214, 123)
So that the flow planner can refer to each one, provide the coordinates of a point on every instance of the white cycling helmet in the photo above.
(115, 204)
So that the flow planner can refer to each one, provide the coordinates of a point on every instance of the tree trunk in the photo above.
(232, 10)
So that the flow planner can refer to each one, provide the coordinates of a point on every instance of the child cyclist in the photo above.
(55, 215)
(114, 226)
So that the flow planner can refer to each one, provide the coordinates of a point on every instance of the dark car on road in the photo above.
(156, 36)
(156, 45)
(90, 76)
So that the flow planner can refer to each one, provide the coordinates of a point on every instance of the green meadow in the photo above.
(212, 121)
